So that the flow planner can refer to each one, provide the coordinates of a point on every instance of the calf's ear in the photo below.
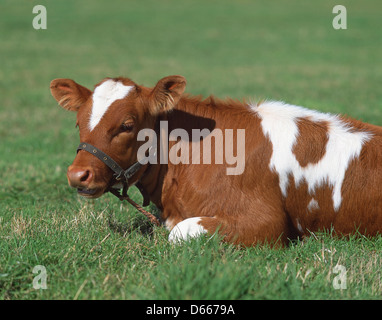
(166, 94)
(69, 94)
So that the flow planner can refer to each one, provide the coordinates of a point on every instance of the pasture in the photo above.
(103, 249)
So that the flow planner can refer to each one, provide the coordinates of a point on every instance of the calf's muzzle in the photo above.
(79, 178)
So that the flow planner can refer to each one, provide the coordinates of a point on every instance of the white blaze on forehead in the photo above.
(104, 96)
(279, 124)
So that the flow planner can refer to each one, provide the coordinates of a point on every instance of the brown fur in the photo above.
(311, 142)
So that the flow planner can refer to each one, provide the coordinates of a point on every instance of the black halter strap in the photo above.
(119, 174)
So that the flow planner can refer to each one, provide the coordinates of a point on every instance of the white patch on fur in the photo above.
(186, 229)
(279, 124)
(169, 224)
(313, 205)
(299, 227)
(104, 96)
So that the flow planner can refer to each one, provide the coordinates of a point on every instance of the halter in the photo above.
(119, 174)
(122, 176)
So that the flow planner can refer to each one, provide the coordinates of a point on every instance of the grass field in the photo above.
(101, 249)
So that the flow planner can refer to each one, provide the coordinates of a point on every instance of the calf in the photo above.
(296, 171)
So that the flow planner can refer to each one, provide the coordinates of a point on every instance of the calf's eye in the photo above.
(127, 126)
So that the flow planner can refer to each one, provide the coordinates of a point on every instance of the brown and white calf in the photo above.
(304, 170)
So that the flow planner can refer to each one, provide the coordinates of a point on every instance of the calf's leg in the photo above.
(186, 229)
(273, 229)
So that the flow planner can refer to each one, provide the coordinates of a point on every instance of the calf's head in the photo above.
(110, 118)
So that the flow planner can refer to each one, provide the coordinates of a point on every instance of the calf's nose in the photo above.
(79, 177)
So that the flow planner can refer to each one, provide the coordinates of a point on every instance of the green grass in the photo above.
(103, 249)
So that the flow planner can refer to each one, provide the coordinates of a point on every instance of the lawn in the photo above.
(103, 249)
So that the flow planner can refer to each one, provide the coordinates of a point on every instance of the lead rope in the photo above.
(126, 197)
(149, 215)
